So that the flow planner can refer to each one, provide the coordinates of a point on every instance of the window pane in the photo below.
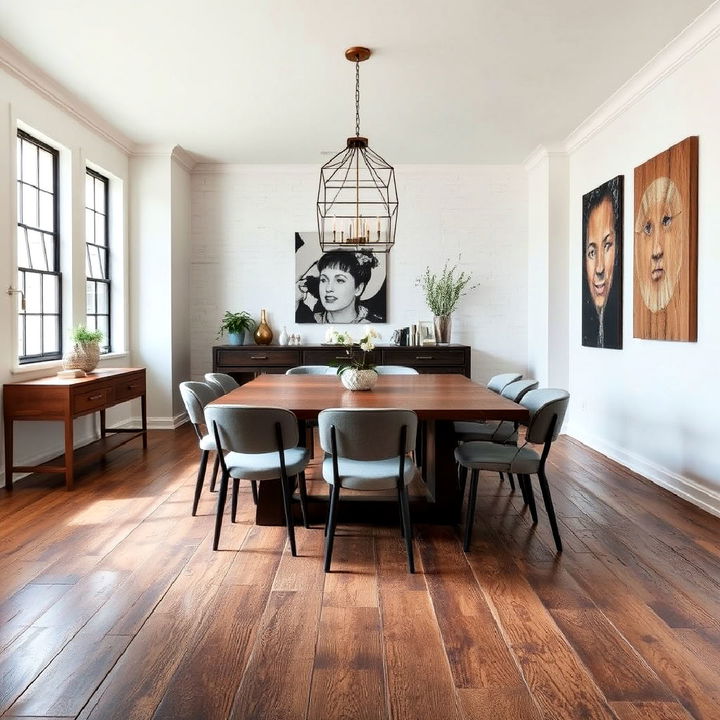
(30, 163)
(90, 297)
(47, 181)
(37, 250)
(89, 191)
(29, 206)
(90, 324)
(89, 226)
(100, 229)
(51, 341)
(18, 166)
(102, 298)
(47, 221)
(94, 262)
(51, 293)
(33, 292)
(34, 334)
(23, 259)
(102, 324)
(99, 195)
(21, 335)
(50, 251)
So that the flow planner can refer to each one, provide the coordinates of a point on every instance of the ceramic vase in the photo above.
(82, 356)
(263, 333)
(443, 328)
(354, 379)
(235, 338)
(284, 338)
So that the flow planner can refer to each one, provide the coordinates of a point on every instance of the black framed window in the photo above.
(97, 255)
(38, 251)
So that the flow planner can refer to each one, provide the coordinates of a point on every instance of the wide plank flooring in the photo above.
(113, 604)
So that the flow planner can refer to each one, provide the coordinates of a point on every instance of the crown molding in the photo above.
(702, 31)
(183, 158)
(542, 152)
(17, 65)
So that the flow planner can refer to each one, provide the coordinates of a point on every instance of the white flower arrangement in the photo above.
(366, 342)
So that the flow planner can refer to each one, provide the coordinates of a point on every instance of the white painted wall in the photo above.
(243, 224)
(651, 405)
(21, 103)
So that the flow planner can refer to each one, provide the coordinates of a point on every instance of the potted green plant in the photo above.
(84, 353)
(357, 372)
(442, 295)
(235, 324)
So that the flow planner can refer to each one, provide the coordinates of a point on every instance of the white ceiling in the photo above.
(266, 81)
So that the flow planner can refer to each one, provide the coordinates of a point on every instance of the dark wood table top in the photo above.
(432, 397)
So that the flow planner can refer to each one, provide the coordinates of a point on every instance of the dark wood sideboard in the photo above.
(244, 362)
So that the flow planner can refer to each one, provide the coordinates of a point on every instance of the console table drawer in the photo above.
(423, 356)
(130, 387)
(259, 357)
(324, 357)
(92, 399)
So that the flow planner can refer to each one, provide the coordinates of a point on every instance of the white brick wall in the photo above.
(243, 224)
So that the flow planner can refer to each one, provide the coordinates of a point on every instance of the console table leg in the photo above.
(8, 453)
(143, 411)
(69, 454)
(102, 423)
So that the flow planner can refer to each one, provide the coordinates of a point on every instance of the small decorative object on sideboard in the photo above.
(263, 333)
(284, 337)
(235, 324)
(84, 355)
(442, 295)
(357, 372)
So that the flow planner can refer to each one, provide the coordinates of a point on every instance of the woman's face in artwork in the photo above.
(338, 289)
(600, 249)
(659, 237)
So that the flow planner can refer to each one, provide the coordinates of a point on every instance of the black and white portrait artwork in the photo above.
(340, 286)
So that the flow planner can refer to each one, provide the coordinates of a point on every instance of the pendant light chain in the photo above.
(357, 98)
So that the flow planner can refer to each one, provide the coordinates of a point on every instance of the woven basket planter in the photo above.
(82, 357)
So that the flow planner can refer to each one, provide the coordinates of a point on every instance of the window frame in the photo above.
(25, 359)
(106, 347)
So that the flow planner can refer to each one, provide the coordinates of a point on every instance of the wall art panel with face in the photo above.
(602, 265)
(665, 254)
(340, 286)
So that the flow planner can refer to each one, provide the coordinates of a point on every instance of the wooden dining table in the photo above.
(437, 400)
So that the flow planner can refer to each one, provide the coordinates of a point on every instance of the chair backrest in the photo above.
(517, 390)
(543, 406)
(497, 383)
(196, 395)
(395, 370)
(221, 381)
(367, 434)
(250, 429)
(311, 370)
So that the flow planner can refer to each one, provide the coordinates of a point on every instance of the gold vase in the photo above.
(263, 333)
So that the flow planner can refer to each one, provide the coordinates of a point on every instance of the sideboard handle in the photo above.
(132, 387)
(258, 357)
(423, 357)
(95, 397)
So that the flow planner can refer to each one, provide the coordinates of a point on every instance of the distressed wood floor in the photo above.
(113, 605)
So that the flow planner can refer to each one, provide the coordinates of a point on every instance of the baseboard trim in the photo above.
(156, 423)
(684, 487)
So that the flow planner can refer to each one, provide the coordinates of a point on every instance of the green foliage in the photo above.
(82, 336)
(235, 323)
(443, 293)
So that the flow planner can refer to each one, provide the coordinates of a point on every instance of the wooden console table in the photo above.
(244, 362)
(52, 398)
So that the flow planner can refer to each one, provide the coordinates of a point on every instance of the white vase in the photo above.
(283, 339)
(354, 379)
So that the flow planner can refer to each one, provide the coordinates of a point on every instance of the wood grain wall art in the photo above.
(665, 255)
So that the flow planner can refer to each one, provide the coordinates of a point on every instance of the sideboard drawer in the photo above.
(423, 356)
(129, 387)
(257, 357)
(326, 356)
(92, 399)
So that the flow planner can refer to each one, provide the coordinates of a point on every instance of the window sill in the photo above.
(55, 365)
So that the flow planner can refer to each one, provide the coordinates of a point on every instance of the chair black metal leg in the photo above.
(216, 468)
(407, 525)
(512, 482)
(531, 499)
(471, 509)
(222, 496)
(502, 477)
(233, 512)
(253, 485)
(523, 488)
(200, 480)
(330, 527)
(462, 480)
(286, 491)
(550, 508)
(302, 489)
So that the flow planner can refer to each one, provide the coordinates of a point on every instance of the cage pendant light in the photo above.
(357, 202)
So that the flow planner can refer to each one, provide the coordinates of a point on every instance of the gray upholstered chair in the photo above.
(368, 450)
(311, 370)
(262, 444)
(221, 382)
(395, 370)
(196, 395)
(547, 409)
(497, 383)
